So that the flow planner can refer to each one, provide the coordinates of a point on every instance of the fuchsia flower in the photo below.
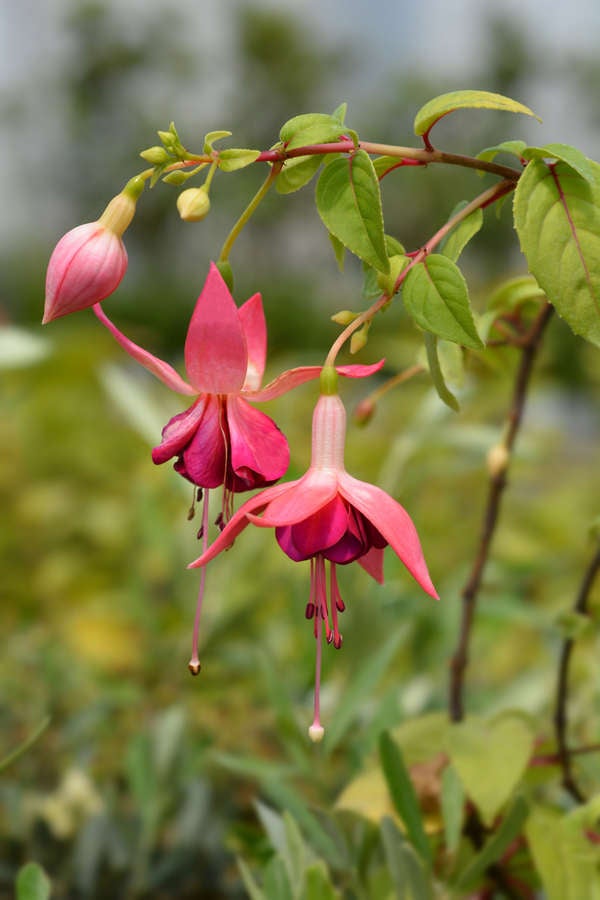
(332, 519)
(89, 262)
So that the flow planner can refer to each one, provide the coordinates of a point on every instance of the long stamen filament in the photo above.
(194, 663)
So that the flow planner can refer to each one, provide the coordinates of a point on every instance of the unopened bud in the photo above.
(156, 156)
(497, 460)
(359, 340)
(193, 204)
(344, 317)
(365, 411)
(316, 733)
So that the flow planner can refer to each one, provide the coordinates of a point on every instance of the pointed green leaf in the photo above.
(339, 251)
(305, 121)
(340, 111)
(440, 106)
(514, 293)
(490, 758)
(32, 883)
(403, 795)
(383, 163)
(276, 884)
(321, 133)
(455, 242)
(557, 218)
(349, 203)
(236, 158)
(406, 869)
(572, 157)
(563, 855)
(317, 884)
(211, 137)
(515, 148)
(436, 296)
(296, 852)
(297, 172)
(254, 892)
(509, 829)
(435, 370)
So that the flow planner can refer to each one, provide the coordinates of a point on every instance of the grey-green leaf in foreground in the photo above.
(436, 296)
(32, 883)
(440, 106)
(403, 795)
(557, 218)
(349, 203)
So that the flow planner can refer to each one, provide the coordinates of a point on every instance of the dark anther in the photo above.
(309, 611)
(338, 640)
(340, 605)
(200, 533)
(199, 495)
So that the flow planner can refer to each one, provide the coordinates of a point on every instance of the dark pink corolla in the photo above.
(329, 518)
(89, 262)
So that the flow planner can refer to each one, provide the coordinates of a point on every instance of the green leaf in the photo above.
(32, 883)
(297, 172)
(436, 296)
(440, 106)
(211, 137)
(572, 157)
(254, 892)
(339, 251)
(435, 370)
(509, 829)
(453, 805)
(514, 293)
(317, 884)
(403, 795)
(515, 148)
(276, 884)
(349, 203)
(565, 858)
(557, 218)
(287, 798)
(307, 121)
(340, 111)
(455, 242)
(236, 158)
(490, 758)
(323, 133)
(383, 163)
(406, 869)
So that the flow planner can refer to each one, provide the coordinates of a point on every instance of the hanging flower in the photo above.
(331, 519)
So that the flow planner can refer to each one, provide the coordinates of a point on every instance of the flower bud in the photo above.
(497, 460)
(156, 156)
(364, 411)
(193, 204)
(89, 262)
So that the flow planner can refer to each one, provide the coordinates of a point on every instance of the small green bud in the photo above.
(156, 156)
(344, 317)
(168, 139)
(386, 282)
(359, 340)
(193, 204)
(177, 177)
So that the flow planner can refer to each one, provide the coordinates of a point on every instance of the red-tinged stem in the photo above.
(497, 484)
(580, 607)
(480, 202)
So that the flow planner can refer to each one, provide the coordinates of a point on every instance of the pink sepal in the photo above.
(295, 377)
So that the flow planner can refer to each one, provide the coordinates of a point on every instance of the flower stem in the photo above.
(497, 484)
(560, 714)
(248, 212)
(480, 202)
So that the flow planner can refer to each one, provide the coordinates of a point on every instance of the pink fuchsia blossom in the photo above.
(89, 262)
(329, 518)
(221, 439)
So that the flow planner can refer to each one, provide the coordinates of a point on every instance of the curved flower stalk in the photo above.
(89, 262)
(329, 518)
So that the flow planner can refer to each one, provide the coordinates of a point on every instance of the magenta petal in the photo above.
(252, 318)
(237, 523)
(372, 562)
(259, 451)
(204, 460)
(320, 531)
(158, 367)
(178, 432)
(312, 492)
(216, 356)
(393, 523)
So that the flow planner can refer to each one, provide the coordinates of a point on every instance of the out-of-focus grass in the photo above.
(98, 604)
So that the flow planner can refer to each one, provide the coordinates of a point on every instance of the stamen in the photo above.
(316, 730)
(200, 533)
(199, 494)
(321, 594)
(336, 605)
(192, 509)
(194, 663)
(310, 610)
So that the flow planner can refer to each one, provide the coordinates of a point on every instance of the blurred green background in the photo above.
(143, 782)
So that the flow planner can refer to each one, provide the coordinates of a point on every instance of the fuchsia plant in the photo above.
(328, 517)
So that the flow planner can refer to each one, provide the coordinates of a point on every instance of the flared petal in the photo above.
(310, 494)
(216, 356)
(393, 522)
(178, 432)
(158, 367)
(295, 377)
(372, 562)
(252, 317)
(204, 460)
(259, 451)
(316, 533)
(239, 521)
